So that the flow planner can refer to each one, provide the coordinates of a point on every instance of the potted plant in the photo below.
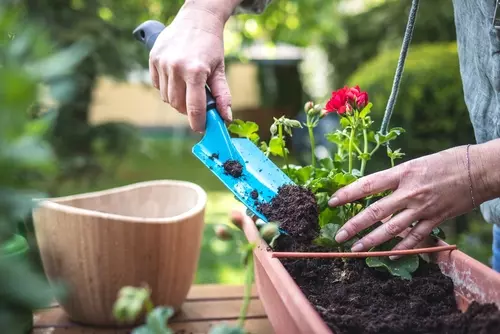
(306, 290)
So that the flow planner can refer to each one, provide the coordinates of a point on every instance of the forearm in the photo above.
(484, 162)
(221, 9)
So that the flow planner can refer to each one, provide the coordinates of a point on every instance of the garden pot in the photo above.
(289, 311)
(17, 248)
(96, 243)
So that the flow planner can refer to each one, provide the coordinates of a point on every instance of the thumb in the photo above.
(220, 90)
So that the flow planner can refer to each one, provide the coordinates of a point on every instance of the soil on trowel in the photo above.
(295, 209)
(233, 168)
(254, 194)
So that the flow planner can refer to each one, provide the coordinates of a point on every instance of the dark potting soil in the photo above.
(295, 210)
(353, 298)
(233, 168)
(254, 194)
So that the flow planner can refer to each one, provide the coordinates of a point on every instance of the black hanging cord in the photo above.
(399, 69)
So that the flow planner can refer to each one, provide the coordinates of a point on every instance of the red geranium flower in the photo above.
(338, 101)
(345, 99)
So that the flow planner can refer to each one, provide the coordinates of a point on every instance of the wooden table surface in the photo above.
(205, 306)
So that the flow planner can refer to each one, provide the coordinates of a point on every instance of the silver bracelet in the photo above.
(470, 179)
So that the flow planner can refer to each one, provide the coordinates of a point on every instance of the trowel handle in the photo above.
(147, 33)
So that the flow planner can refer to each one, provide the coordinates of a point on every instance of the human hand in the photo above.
(427, 190)
(188, 54)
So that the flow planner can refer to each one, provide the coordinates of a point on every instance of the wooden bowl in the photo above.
(144, 233)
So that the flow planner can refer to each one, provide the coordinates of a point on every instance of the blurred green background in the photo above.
(77, 112)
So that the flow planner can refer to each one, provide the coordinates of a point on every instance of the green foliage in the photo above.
(356, 144)
(402, 267)
(226, 329)
(430, 104)
(28, 62)
(381, 28)
(245, 129)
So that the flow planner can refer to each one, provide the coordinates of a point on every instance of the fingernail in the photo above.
(230, 114)
(394, 257)
(333, 201)
(341, 236)
(357, 247)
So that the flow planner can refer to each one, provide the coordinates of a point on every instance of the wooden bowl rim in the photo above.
(57, 203)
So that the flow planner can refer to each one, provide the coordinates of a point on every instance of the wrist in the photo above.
(484, 162)
(220, 9)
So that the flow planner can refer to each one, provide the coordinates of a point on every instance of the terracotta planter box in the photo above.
(290, 312)
(98, 242)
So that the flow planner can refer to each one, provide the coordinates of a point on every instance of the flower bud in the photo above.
(308, 106)
(269, 231)
(273, 129)
(223, 232)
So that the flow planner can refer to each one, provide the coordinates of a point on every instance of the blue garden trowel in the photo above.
(260, 178)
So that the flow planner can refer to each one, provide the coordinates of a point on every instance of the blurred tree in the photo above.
(109, 25)
(430, 105)
(382, 27)
(27, 60)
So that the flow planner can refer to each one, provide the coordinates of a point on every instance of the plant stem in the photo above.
(248, 290)
(392, 162)
(313, 146)
(375, 149)
(282, 140)
(351, 140)
(148, 304)
(365, 151)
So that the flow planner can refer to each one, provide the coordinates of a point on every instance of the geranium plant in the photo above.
(356, 142)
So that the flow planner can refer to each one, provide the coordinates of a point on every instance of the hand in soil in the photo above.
(429, 190)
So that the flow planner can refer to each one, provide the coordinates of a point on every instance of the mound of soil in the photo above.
(353, 298)
(233, 168)
(295, 210)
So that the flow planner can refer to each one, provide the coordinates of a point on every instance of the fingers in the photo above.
(416, 235)
(163, 83)
(153, 72)
(368, 185)
(379, 210)
(386, 231)
(221, 93)
(196, 100)
(177, 91)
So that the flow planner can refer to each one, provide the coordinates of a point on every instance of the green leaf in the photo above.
(245, 129)
(226, 329)
(366, 110)
(330, 215)
(322, 200)
(276, 146)
(327, 163)
(402, 267)
(391, 135)
(327, 236)
(158, 318)
(304, 174)
(438, 233)
(343, 179)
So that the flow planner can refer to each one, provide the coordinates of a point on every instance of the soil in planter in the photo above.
(296, 211)
(233, 168)
(352, 298)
